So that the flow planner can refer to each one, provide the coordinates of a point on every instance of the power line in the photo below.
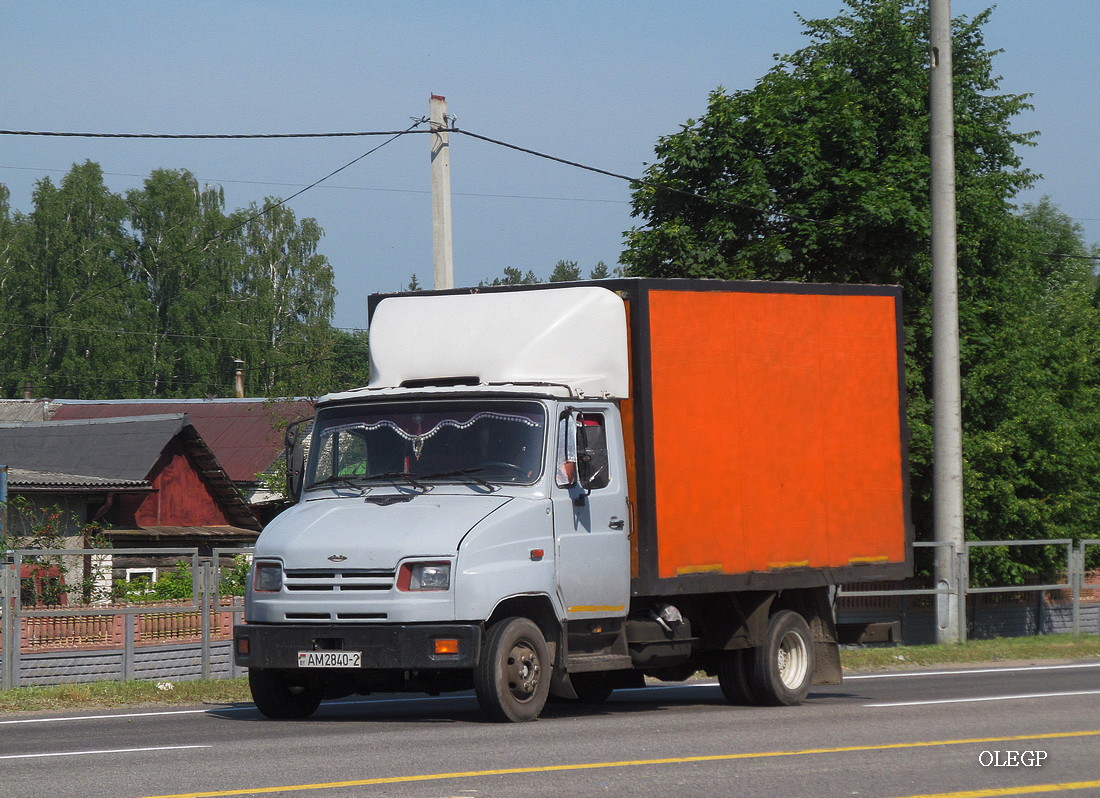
(61, 134)
(218, 180)
(220, 235)
(154, 333)
(1071, 257)
(639, 181)
(395, 133)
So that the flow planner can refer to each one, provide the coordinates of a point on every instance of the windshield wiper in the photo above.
(468, 473)
(336, 480)
(396, 476)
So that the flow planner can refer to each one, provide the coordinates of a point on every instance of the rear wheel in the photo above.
(279, 697)
(734, 675)
(512, 677)
(591, 688)
(783, 668)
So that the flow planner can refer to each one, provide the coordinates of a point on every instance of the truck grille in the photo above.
(340, 581)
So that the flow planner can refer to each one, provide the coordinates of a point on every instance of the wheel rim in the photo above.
(523, 670)
(793, 660)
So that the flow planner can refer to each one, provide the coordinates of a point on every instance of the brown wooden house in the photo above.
(151, 480)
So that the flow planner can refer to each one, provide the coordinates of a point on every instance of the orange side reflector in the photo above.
(446, 646)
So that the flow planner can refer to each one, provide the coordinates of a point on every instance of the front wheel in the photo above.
(279, 698)
(512, 677)
(783, 668)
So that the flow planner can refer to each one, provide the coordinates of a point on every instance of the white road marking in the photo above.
(985, 698)
(105, 751)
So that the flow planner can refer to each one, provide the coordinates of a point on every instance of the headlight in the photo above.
(424, 576)
(267, 577)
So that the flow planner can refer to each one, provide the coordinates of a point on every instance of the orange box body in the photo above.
(766, 430)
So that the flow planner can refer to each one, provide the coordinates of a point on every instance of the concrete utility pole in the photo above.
(947, 493)
(441, 194)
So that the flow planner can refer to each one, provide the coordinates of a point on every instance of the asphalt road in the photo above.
(997, 731)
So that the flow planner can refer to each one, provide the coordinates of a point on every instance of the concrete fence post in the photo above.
(9, 625)
(129, 658)
(962, 585)
(1077, 582)
(205, 584)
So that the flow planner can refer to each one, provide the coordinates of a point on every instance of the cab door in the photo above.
(591, 518)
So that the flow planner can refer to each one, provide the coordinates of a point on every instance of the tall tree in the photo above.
(156, 294)
(284, 295)
(820, 172)
(69, 281)
(185, 265)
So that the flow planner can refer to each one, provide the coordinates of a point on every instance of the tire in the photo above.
(783, 668)
(591, 688)
(512, 676)
(734, 676)
(278, 699)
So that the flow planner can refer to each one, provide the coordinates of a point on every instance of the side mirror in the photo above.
(566, 476)
(295, 458)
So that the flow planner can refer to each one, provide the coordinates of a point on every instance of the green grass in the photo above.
(115, 695)
(1040, 647)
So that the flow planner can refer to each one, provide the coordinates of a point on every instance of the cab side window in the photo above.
(592, 459)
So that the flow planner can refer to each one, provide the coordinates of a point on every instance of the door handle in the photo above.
(616, 523)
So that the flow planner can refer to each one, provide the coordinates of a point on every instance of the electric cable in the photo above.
(638, 181)
(209, 135)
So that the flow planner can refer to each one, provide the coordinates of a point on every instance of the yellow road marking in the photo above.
(640, 762)
(1031, 789)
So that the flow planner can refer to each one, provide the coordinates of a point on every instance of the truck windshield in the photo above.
(421, 441)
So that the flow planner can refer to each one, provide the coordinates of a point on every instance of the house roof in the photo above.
(25, 409)
(118, 449)
(244, 434)
(25, 479)
(185, 532)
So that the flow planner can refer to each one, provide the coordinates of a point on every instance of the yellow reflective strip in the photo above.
(778, 565)
(699, 569)
(595, 608)
(882, 558)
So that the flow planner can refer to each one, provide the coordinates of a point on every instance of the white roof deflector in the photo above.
(572, 336)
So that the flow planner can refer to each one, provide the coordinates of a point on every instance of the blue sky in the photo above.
(594, 82)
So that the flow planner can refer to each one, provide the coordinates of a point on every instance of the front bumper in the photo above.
(388, 646)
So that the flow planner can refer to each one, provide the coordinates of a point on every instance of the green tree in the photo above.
(820, 173)
(565, 271)
(599, 271)
(513, 276)
(186, 268)
(283, 298)
(68, 279)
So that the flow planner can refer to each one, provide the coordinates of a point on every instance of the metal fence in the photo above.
(83, 635)
(1070, 604)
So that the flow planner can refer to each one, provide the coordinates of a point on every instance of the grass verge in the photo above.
(115, 695)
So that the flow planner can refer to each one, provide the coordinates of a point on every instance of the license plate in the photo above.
(330, 659)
